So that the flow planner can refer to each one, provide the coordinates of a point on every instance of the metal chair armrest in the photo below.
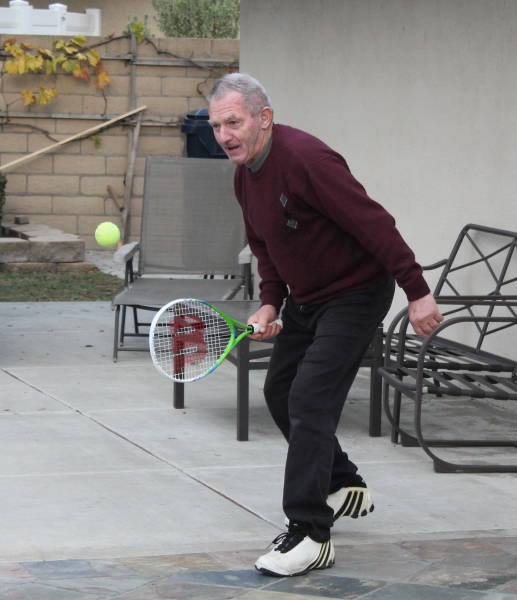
(436, 265)
(126, 252)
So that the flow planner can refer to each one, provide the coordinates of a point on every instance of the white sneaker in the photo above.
(295, 554)
(355, 501)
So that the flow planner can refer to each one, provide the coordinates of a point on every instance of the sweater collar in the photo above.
(261, 158)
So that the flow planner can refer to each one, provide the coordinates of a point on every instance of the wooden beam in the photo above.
(73, 137)
(79, 116)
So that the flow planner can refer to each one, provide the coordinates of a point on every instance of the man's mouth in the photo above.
(231, 148)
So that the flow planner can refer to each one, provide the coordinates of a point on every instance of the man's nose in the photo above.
(224, 135)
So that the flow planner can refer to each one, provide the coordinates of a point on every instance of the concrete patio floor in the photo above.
(109, 492)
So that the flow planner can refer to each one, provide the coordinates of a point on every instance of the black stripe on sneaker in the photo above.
(316, 562)
(324, 561)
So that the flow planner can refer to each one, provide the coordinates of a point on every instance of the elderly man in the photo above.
(330, 255)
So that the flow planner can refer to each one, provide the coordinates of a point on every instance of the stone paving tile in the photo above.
(35, 591)
(462, 548)
(510, 589)
(172, 589)
(101, 585)
(508, 544)
(485, 573)
(246, 579)
(500, 596)
(239, 559)
(164, 566)
(372, 553)
(406, 591)
(267, 595)
(326, 586)
(73, 568)
(385, 571)
(14, 573)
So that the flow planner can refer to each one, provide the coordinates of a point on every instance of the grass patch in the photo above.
(58, 287)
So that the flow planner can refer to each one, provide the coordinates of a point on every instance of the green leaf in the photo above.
(138, 30)
(96, 139)
(70, 65)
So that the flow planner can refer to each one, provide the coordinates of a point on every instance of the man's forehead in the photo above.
(229, 105)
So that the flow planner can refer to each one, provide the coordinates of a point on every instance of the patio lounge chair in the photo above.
(191, 237)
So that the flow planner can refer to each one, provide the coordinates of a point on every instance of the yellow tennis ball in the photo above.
(107, 234)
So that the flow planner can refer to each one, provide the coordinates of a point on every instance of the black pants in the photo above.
(314, 362)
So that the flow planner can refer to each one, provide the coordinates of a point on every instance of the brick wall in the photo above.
(67, 189)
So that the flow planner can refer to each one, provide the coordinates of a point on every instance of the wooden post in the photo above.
(125, 215)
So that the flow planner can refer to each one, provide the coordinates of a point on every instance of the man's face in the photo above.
(237, 132)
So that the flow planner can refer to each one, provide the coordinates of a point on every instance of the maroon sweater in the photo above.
(313, 228)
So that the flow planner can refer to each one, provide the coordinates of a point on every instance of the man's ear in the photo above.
(266, 116)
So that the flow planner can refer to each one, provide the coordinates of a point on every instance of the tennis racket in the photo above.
(190, 338)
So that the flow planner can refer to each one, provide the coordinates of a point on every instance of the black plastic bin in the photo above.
(201, 142)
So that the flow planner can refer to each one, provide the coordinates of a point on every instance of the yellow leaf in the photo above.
(94, 57)
(79, 40)
(26, 46)
(102, 79)
(70, 49)
(51, 66)
(33, 63)
(9, 42)
(61, 58)
(11, 67)
(58, 44)
(28, 98)
(82, 73)
(45, 52)
(80, 56)
(15, 50)
(46, 95)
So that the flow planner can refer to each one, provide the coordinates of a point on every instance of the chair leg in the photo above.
(243, 390)
(122, 326)
(376, 386)
(135, 319)
(397, 401)
(179, 395)
(115, 340)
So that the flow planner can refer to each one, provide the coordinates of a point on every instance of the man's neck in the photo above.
(255, 164)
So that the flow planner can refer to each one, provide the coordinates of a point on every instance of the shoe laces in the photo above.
(288, 540)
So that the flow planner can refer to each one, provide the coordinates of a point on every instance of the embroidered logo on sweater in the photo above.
(290, 221)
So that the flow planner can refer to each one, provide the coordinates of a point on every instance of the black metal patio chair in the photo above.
(483, 265)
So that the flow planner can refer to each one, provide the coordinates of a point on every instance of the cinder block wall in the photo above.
(67, 189)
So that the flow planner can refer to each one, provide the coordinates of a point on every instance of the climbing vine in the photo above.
(71, 57)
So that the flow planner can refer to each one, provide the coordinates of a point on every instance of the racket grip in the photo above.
(277, 322)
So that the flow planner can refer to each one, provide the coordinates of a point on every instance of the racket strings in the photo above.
(189, 339)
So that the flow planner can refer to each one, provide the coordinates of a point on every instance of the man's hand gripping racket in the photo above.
(190, 338)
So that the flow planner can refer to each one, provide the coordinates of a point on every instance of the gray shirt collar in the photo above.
(261, 158)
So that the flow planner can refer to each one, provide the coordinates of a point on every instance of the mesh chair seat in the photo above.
(156, 293)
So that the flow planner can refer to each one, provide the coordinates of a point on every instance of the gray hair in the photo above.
(254, 96)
